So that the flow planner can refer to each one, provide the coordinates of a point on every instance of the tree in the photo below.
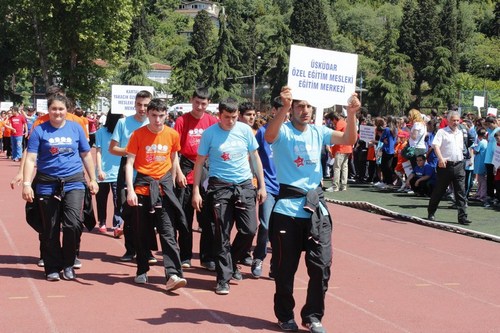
(201, 38)
(224, 61)
(419, 36)
(186, 76)
(448, 25)
(308, 24)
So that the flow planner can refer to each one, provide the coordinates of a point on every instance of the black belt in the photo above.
(453, 163)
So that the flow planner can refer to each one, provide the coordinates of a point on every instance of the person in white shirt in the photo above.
(448, 145)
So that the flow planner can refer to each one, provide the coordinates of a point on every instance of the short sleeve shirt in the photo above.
(228, 152)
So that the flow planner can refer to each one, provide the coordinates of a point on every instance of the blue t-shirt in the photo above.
(388, 147)
(299, 156)
(58, 151)
(267, 158)
(432, 158)
(228, 151)
(110, 163)
(492, 145)
(479, 154)
(124, 128)
(425, 170)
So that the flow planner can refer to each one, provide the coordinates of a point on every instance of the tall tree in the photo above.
(201, 38)
(448, 25)
(419, 36)
(226, 58)
(308, 24)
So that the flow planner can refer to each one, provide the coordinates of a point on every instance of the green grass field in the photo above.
(486, 220)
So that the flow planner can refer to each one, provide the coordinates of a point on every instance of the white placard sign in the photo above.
(41, 105)
(5, 106)
(322, 77)
(479, 101)
(492, 111)
(407, 168)
(366, 133)
(123, 98)
(496, 157)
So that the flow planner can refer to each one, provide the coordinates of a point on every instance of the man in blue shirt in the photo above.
(300, 219)
(231, 150)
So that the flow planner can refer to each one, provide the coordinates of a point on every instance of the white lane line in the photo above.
(36, 294)
(379, 264)
(200, 304)
(406, 241)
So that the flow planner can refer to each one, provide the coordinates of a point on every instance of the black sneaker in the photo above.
(289, 325)
(222, 288)
(127, 257)
(314, 327)
(237, 275)
(465, 221)
(247, 261)
(208, 265)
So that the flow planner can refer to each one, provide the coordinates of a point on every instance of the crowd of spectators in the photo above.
(381, 162)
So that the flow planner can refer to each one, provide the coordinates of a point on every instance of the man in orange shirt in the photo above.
(341, 154)
(152, 152)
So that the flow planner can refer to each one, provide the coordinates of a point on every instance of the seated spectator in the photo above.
(422, 178)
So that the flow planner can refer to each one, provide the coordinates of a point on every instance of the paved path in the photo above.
(388, 276)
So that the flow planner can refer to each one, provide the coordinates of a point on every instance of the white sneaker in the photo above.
(332, 189)
(175, 282)
(141, 279)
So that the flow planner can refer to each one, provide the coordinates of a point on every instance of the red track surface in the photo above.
(388, 276)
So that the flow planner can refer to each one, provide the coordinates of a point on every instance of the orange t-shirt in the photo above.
(342, 149)
(153, 152)
(2, 125)
(69, 116)
(397, 151)
(6, 132)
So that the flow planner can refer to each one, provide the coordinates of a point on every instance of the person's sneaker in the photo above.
(257, 268)
(208, 265)
(77, 263)
(102, 229)
(247, 261)
(431, 217)
(289, 325)
(465, 221)
(53, 276)
(69, 273)
(332, 189)
(237, 275)
(141, 278)
(152, 260)
(186, 264)
(343, 188)
(314, 327)
(40, 263)
(271, 273)
(222, 288)
(127, 257)
(117, 232)
(175, 282)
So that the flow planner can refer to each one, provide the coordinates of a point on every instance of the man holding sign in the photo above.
(300, 219)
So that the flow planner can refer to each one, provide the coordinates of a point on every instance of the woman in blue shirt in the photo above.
(60, 150)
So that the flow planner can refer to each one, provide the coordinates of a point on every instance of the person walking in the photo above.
(151, 152)
(300, 220)
(117, 146)
(231, 149)
(190, 127)
(449, 147)
(60, 151)
(107, 166)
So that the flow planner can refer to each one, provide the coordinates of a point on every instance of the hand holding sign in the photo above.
(353, 104)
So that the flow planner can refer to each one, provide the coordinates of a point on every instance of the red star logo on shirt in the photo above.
(54, 150)
(299, 161)
(226, 156)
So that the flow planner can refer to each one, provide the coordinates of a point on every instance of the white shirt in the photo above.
(419, 141)
(451, 144)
